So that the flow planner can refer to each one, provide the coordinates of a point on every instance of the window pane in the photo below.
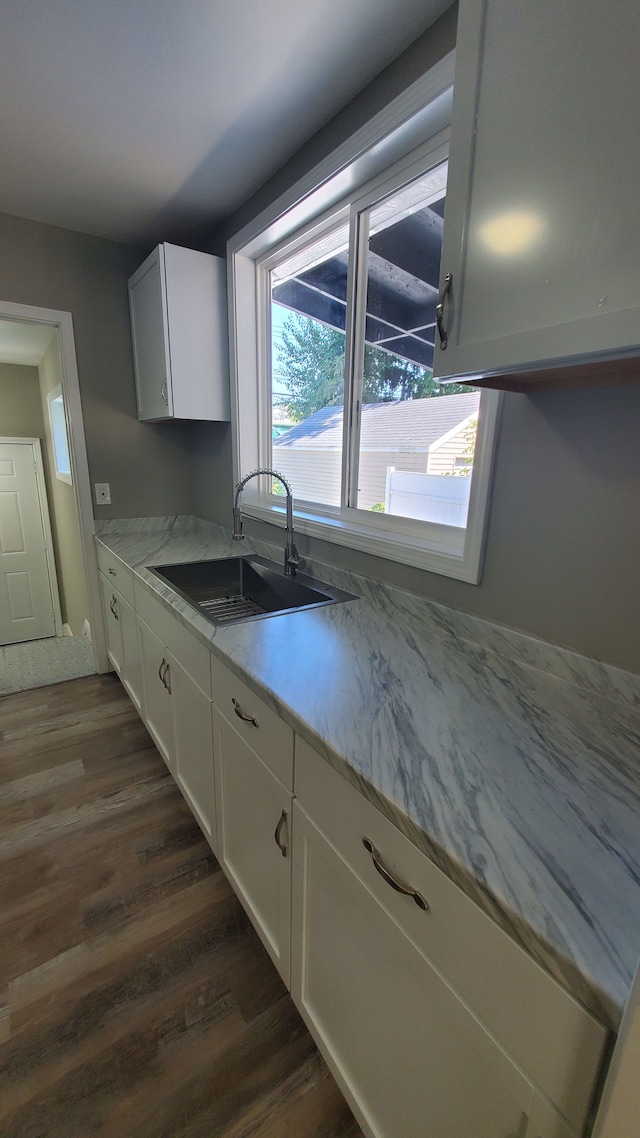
(308, 316)
(416, 438)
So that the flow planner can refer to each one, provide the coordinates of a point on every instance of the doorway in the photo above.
(42, 341)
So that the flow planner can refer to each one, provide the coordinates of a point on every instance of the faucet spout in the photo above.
(292, 559)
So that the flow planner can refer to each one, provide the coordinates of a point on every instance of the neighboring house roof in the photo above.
(414, 424)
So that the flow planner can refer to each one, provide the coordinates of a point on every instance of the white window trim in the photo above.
(420, 112)
(52, 397)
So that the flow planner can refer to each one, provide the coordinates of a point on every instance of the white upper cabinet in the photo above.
(180, 337)
(541, 235)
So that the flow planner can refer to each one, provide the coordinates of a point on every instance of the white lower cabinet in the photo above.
(254, 838)
(408, 1054)
(193, 746)
(434, 1022)
(177, 705)
(158, 705)
(122, 638)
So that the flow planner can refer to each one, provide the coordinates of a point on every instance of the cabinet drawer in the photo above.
(115, 571)
(183, 644)
(545, 1031)
(257, 723)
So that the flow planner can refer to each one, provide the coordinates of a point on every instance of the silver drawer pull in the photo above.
(242, 715)
(399, 886)
(281, 845)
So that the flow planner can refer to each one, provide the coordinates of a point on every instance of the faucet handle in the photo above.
(293, 561)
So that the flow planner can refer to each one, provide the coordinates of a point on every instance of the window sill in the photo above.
(454, 555)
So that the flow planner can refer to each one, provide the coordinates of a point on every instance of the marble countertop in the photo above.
(513, 764)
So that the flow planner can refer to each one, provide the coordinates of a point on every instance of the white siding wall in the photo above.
(443, 459)
(315, 474)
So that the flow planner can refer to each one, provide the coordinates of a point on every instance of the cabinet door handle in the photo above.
(164, 674)
(114, 606)
(281, 845)
(399, 886)
(164, 394)
(242, 715)
(444, 291)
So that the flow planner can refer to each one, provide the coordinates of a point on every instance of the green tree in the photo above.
(311, 363)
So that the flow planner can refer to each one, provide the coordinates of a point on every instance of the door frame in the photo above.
(63, 323)
(36, 450)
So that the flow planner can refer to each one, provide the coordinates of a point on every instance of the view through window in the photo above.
(412, 441)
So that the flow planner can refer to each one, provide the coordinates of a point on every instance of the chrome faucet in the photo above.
(292, 559)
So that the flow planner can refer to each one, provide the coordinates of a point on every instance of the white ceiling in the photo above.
(143, 121)
(22, 343)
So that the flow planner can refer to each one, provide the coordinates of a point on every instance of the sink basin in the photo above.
(245, 588)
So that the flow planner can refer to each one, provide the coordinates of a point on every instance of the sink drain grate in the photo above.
(233, 606)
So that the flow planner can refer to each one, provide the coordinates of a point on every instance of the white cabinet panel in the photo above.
(545, 1122)
(258, 724)
(544, 1030)
(254, 839)
(150, 332)
(177, 300)
(176, 709)
(541, 235)
(193, 739)
(122, 637)
(115, 571)
(113, 628)
(411, 1058)
(157, 706)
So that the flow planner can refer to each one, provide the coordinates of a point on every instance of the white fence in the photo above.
(429, 497)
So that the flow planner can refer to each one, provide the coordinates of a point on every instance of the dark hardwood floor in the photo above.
(136, 1001)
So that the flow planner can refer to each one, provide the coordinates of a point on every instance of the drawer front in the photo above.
(191, 653)
(119, 575)
(549, 1035)
(257, 723)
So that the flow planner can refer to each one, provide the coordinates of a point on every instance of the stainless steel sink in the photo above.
(245, 588)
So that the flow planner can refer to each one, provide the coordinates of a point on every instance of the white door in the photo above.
(26, 588)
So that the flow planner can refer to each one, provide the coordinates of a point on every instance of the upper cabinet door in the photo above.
(180, 335)
(541, 236)
(150, 335)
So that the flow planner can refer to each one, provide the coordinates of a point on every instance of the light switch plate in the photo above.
(103, 493)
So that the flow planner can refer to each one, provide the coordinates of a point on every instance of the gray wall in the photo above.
(563, 548)
(148, 466)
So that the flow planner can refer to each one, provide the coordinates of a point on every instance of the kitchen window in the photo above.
(333, 326)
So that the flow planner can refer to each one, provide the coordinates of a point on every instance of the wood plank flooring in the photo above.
(136, 1001)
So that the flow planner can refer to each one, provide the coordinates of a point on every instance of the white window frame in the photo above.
(59, 435)
(388, 143)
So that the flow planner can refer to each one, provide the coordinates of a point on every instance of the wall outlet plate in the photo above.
(103, 493)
